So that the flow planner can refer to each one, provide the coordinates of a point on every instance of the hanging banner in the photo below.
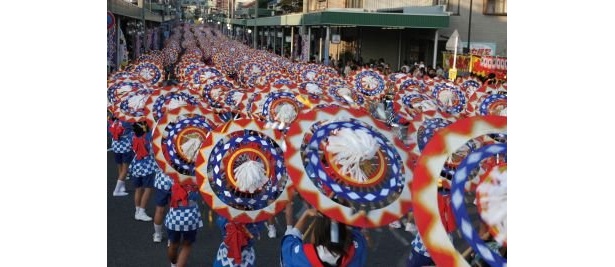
(305, 48)
(489, 64)
(479, 65)
(111, 47)
(122, 50)
(463, 62)
(481, 48)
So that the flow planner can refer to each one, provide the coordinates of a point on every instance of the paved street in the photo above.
(129, 242)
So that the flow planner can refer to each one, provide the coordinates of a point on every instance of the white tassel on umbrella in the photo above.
(313, 89)
(493, 202)
(351, 147)
(137, 102)
(250, 176)
(191, 146)
(285, 114)
(175, 103)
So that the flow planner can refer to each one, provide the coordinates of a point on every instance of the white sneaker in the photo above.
(395, 224)
(142, 216)
(157, 237)
(410, 227)
(119, 194)
(272, 232)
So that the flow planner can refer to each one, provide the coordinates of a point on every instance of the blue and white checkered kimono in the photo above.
(146, 165)
(124, 144)
(185, 218)
(248, 256)
(162, 181)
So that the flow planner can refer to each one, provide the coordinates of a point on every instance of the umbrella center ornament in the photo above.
(247, 168)
(353, 161)
(355, 153)
(189, 141)
(491, 197)
(183, 141)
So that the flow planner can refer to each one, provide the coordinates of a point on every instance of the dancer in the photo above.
(237, 247)
(142, 169)
(330, 243)
(182, 222)
(121, 134)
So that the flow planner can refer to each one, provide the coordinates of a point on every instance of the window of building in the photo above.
(453, 7)
(494, 7)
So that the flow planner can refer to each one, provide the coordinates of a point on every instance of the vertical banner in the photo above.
(122, 50)
(156, 39)
(462, 64)
(111, 47)
(137, 47)
(148, 39)
(297, 46)
(111, 37)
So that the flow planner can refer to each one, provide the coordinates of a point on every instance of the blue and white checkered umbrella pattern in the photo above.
(229, 149)
(344, 95)
(428, 171)
(117, 90)
(369, 82)
(131, 106)
(469, 165)
(150, 73)
(204, 76)
(213, 93)
(178, 136)
(489, 99)
(450, 98)
(168, 98)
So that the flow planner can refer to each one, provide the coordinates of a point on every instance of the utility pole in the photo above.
(254, 32)
(469, 27)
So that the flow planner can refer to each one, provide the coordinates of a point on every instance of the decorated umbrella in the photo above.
(213, 93)
(450, 98)
(409, 84)
(184, 68)
(168, 98)
(470, 84)
(116, 91)
(204, 75)
(177, 138)
(315, 92)
(420, 128)
(131, 106)
(122, 76)
(407, 104)
(346, 96)
(241, 171)
(489, 99)
(278, 107)
(491, 196)
(344, 163)
(149, 72)
(369, 82)
(310, 73)
(424, 188)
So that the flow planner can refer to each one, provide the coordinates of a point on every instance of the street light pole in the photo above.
(470, 27)
(254, 32)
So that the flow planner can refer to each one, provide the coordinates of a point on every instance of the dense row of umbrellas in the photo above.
(249, 127)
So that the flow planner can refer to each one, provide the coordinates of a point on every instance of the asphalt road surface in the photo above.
(129, 242)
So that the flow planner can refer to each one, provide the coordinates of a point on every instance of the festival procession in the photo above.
(254, 154)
